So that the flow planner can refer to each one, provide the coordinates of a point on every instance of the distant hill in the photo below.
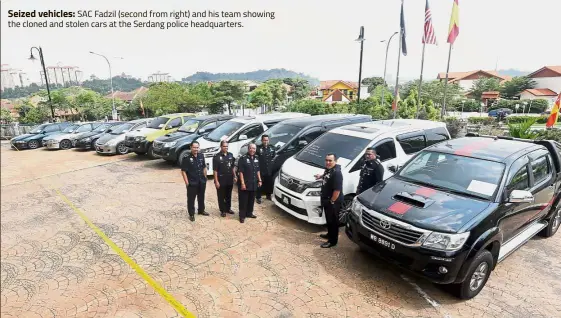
(513, 72)
(256, 76)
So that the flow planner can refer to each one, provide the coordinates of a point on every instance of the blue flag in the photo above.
(402, 25)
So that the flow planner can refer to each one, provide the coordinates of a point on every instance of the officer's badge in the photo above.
(191, 159)
(220, 158)
(247, 160)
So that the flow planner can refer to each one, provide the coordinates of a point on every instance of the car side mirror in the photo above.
(521, 196)
(393, 168)
(242, 137)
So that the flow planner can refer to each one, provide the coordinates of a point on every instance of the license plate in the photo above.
(382, 242)
(286, 200)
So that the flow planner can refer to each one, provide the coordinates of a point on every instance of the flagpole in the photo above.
(443, 111)
(420, 81)
(398, 62)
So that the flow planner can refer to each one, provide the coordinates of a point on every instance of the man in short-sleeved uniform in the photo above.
(249, 181)
(193, 170)
(331, 198)
(266, 154)
(224, 178)
(371, 173)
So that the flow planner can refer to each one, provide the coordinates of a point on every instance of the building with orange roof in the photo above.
(466, 79)
(339, 91)
(548, 77)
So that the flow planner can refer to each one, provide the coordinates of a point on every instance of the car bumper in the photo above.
(307, 208)
(138, 146)
(105, 149)
(53, 144)
(83, 145)
(419, 261)
(165, 153)
(19, 145)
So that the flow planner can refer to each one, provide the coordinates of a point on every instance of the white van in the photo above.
(297, 192)
(237, 131)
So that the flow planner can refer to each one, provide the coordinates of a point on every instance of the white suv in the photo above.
(237, 132)
(297, 192)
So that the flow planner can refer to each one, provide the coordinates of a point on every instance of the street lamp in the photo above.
(385, 65)
(524, 107)
(361, 40)
(114, 110)
(463, 102)
(516, 107)
(32, 58)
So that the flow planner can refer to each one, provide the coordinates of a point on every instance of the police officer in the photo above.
(249, 182)
(224, 178)
(266, 154)
(331, 198)
(371, 172)
(193, 170)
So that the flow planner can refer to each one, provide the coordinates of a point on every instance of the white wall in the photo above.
(466, 84)
(528, 96)
(553, 83)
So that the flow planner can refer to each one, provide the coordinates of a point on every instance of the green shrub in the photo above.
(521, 119)
(523, 129)
(454, 126)
(481, 120)
(537, 106)
(550, 134)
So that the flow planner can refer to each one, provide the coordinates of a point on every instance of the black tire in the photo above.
(554, 223)
(345, 208)
(477, 276)
(140, 153)
(121, 149)
(33, 144)
(92, 144)
(184, 153)
(65, 144)
(150, 152)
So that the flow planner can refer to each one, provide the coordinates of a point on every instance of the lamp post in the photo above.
(32, 58)
(516, 107)
(463, 102)
(361, 40)
(113, 110)
(385, 65)
(524, 107)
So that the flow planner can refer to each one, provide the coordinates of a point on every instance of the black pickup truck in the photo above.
(458, 208)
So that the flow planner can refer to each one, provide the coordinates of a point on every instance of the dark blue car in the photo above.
(33, 139)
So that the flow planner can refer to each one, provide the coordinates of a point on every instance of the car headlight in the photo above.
(316, 184)
(170, 144)
(140, 138)
(356, 208)
(314, 194)
(445, 241)
(87, 139)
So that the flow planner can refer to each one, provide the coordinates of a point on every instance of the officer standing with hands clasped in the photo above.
(249, 182)
(331, 198)
(266, 154)
(224, 178)
(193, 170)
(371, 173)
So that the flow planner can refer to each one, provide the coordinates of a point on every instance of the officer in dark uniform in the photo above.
(371, 172)
(249, 182)
(331, 198)
(193, 170)
(266, 154)
(224, 178)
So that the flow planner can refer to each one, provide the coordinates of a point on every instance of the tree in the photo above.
(6, 116)
(228, 92)
(300, 88)
(262, 95)
(35, 115)
(120, 83)
(165, 98)
(484, 85)
(516, 86)
(432, 90)
(373, 82)
(308, 106)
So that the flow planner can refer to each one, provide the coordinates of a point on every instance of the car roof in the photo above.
(136, 121)
(307, 121)
(369, 130)
(210, 117)
(264, 118)
(493, 149)
(177, 115)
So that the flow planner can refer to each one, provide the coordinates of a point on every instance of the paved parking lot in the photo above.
(54, 264)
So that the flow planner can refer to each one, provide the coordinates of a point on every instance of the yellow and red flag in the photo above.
(552, 120)
(454, 29)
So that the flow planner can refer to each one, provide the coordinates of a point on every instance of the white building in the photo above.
(548, 77)
(466, 79)
(539, 93)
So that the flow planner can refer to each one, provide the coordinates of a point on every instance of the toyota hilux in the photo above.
(458, 208)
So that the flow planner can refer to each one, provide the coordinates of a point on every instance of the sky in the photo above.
(308, 36)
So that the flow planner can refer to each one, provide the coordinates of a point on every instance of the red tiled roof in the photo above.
(541, 92)
(128, 96)
(554, 68)
(343, 94)
(456, 76)
(327, 84)
(490, 94)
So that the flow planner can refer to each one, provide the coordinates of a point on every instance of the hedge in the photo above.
(481, 120)
(537, 106)
(521, 119)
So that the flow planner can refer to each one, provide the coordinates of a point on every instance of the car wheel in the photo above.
(183, 154)
(478, 274)
(122, 149)
(345, 208)
(33, 144)
(554, 223)
(93, 143)
(65, 144)
(151, 152)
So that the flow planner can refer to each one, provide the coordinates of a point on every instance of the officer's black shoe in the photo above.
(230, 212)
(242, 220)
(258, 201)
(192, 218)
(327, 245)
(253, 216)
(204, 213)
(324, 236)
(222, 214)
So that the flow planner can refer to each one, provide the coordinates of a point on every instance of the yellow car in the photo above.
(140, 141)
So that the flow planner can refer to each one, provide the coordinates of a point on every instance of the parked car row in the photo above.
(448, 210)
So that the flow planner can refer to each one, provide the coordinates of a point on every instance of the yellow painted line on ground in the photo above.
(157, 287)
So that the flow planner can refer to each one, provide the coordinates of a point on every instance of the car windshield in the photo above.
(101, 128)
(158, 123)
(84, 128)
(190, 126)
(70, 129)
(279, 135)
(121, 128)
(38, 129)
(347, 148)
(453, 173)
(224, 130)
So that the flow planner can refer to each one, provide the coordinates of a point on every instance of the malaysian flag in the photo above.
(429, 37)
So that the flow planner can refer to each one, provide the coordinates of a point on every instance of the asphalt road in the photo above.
(54, 265)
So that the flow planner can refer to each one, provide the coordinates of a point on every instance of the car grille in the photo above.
(395, 231)
(292, 184)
